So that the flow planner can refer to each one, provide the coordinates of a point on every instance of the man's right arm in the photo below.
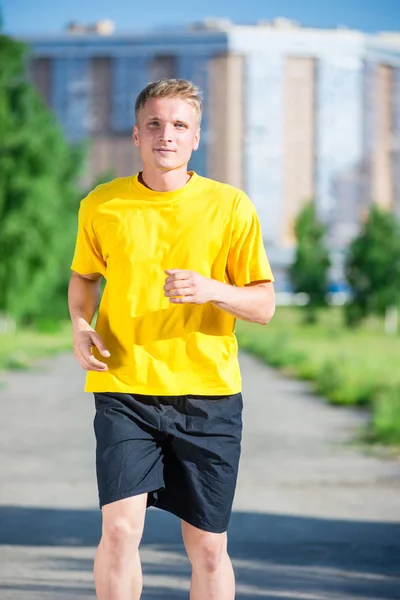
(83, 299)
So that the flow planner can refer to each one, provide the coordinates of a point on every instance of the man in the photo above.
(183, 257)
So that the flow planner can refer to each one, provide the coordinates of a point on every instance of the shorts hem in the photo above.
(131, 493)
(202, 525)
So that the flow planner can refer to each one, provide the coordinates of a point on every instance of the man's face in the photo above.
(167, 132)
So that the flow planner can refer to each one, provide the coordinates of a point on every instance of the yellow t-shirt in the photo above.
(131, 235)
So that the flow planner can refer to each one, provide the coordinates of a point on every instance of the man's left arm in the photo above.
(253, 302)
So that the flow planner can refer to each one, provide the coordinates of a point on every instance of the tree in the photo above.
(373, 267)
(38, 197)
(309, 271)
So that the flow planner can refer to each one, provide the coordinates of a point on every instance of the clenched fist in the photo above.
(189, 287)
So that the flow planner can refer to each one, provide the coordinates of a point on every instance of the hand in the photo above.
(189, 287)
(83, 341)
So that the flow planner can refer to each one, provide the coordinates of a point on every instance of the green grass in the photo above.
(22, 349)
(346, 366)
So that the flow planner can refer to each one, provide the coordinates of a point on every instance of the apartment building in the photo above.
(290, 114)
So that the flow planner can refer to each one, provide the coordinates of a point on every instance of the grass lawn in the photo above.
(20, 350)
(347, 366)
(367, 348)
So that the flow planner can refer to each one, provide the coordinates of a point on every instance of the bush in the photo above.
(39, 197)
(17, 361)
(48, 325)
(309, 271)
(348, 367)
(307, 370)
(344, 383)
(275, 350)
(373, 267)
(385, 419)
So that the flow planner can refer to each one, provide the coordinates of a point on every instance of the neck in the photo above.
(164, 181)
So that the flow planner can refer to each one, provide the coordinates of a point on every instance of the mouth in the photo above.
(164, 150)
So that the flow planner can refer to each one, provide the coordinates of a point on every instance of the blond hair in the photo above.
(171, 88)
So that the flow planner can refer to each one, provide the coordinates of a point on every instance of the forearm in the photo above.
(255, 303)
(83, 299)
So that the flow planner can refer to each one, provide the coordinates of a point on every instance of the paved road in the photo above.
(314, 518)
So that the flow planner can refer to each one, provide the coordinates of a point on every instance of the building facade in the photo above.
(290, 114)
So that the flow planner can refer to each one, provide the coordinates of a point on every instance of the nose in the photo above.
(165, 133)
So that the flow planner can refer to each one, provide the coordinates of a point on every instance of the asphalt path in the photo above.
(316, 516)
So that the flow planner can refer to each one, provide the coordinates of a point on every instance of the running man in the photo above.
(183, 257)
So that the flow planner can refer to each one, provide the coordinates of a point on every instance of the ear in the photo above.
(196, 140)
(135, 135)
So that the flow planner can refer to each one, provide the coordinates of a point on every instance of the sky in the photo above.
(35, 17)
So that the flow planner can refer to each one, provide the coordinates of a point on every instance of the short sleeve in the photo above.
(87, 256)
(247, 259)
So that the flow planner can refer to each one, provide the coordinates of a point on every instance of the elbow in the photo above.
(264, 307)
(267, 315)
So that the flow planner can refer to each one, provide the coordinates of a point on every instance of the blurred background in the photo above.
(302, 111)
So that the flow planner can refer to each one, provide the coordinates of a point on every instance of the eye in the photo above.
(180, 125)
(153, 123)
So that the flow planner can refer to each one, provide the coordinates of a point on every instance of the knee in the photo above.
(120, 536)
(208, 553)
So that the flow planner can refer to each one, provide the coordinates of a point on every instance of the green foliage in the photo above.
(385, 422)
(22, 349)
(38, 197)
(349, 367)
(309, 271)
(344, 383)
(273, 349)
(373, 267)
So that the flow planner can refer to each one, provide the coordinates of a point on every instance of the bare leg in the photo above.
(117, 568)
(212, 572)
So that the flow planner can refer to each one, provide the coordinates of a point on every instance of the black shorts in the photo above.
(183, 450)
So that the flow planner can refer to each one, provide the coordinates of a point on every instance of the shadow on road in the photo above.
(275, 556)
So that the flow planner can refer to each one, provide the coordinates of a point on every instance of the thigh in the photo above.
(205, 448)
(128, 448)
